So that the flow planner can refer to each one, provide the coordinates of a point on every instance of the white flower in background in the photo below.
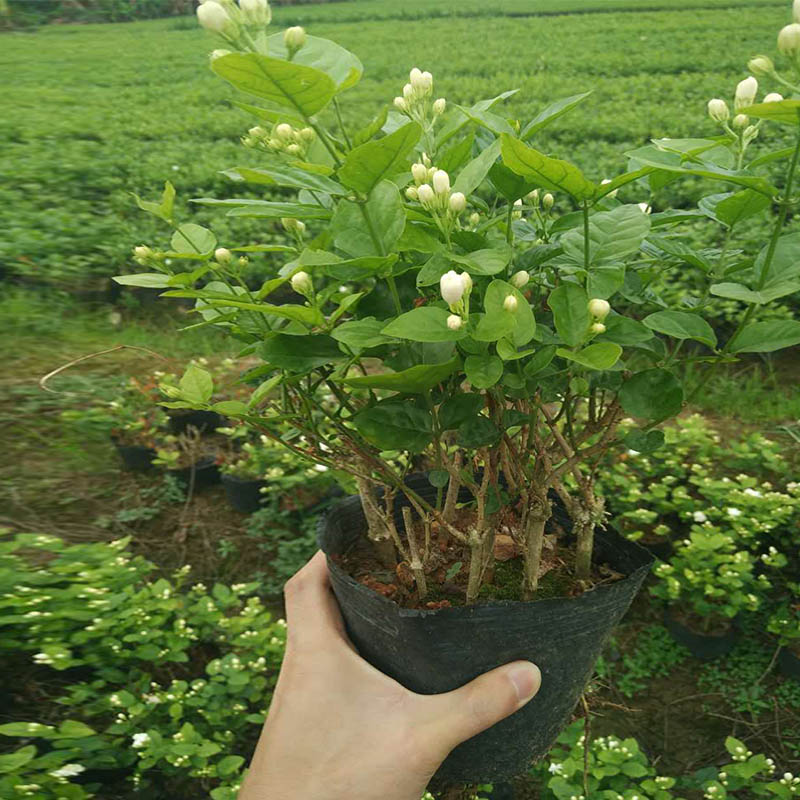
(520, 279)
(599, 308)
(761, 65)
(454, 322)
(745, 93)
(301, 283)
(645, 208)
(733, 512)
(789, 39)
(68, 771)
(42, 658)
(510, 303)
(718, 110)
(752, 492)
(439, 106)
(699, 516)
(141, 740)
(458, 202)
(215, 54)
(213, 17)
(555, 768)
(320, 468)
(441, 182)
(474, 219)
(773, 97)
(294, 38)
(517, 212)
(452, 287)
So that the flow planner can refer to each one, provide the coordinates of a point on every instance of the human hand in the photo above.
(338, 729)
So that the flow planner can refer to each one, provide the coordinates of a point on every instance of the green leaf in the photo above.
(303, 314)
(372, 129)
(414, 380)
(458, 118)
(424, 324)
(785, 264)
(478, 432)
(600, 355)
(11, 762)
(766, 337)
(194, 239)
(231, 408)
(570, 305)
(395, 426)
(541, 359)
(509, 184)
(196, 385)
(304, 89)
(149, 280)
(228, 765)
(737, 291)
(164, 208)
(458, 409)
(613, 235)
(27, 729)
(439, 478)
(300, 353)
(343, 67)
(361, 334)
(733, 208)
(371, 162)
(522, 324)
(681, 250)
(266, 209)
(387, 218)
(484, 262)
(552, 113)
(263, 390)
(72, 729)
(279, 173)
(786, 111)
(654, 394)
(682, 325)
(549, 173)
(483, 371)
(603, 282)
(644, 442)
(473, 174)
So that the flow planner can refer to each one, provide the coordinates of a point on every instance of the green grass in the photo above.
(97, 111)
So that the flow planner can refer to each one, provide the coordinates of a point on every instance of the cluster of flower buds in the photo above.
(417, 101)
(293, 226)
(745, 95)
(599, 309)
(455, 289)
(432, 190)
(234, 23)
(283, 138)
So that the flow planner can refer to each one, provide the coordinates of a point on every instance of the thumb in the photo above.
(456, 716)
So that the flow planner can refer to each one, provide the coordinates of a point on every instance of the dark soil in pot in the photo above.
(204, 421)
(705, 646)
(206, 473)
(244, 494)
(433, 651)
(789, 663)
(135, 457)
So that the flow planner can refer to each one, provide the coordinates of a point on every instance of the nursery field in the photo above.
(149, 517)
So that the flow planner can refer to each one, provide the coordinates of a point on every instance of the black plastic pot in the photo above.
(661, 549)
(789, 663)
(703, 646)
(243, 494)
(204, 421)
(135, 458)
(436, 651)
(206, 473)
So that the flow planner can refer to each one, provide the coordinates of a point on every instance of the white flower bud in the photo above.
(474, 219)
(457, 202)
(415, 77)
(257, 131)
(294, 150)
(789, 39)
(427, 82)
(425, 160)
(466, 281)
(291, 224)
(308, 134)
(761, 65)
(400, 104)
(142, 252)
(454, 322)
(745, 93)
(301, 283)
(741, 121)
(718, 110)
(517, 212)
(283, 131)
(599, 309)
(452, 287)
(425, 194)
(215, 54)
(441, 182)
(598, 327)
(408, 91)
(520, 279)
(773, 97)
(223, 255)
(294, 38)
(439, 106)
(547, 201)
(510, 303)
(255, 12)
(412, 193)
(419, 173)
(533, 197)
(213, 17)
(645, 208)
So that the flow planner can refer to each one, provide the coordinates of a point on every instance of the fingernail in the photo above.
(526, 680)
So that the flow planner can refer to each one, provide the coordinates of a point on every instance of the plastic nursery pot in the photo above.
(135, 458)
(204, 421)
(660, 548)
(789, 663)
(206, 473)
(433, 651)
(701, 645)
(243, 494)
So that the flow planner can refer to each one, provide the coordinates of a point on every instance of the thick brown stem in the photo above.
(416, 562)
(534, 541)
(377, 530)
(588, 517)
(475, 567)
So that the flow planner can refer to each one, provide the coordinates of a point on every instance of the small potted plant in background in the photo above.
(707, 585)
(137, 424)
(456, 324)
(784, 622)
(185, 457)
(180, 419)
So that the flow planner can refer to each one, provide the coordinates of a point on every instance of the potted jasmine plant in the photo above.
(784, 622)
(137, 424)
(458, 321)
(185, 458)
